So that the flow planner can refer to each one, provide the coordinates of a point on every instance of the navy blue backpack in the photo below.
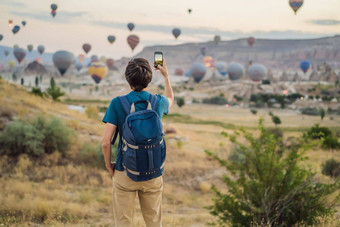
(143, 145)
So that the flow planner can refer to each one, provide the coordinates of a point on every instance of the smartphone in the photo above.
(158, 59)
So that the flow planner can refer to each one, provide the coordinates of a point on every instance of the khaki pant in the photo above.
(150, 199)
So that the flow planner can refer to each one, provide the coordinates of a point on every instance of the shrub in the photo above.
(331, 168)
(331, 142)
(317, 132)
(57, 136)
(37, 91)
(180, 101)
(276, 120)
(21, 137)
(270, 187)
(265, 81)
(253, 111)
(35, 138)
(217, 100)
(92, 112)
(194, 100)
(310, 111)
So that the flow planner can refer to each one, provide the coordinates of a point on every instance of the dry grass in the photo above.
(55, 191)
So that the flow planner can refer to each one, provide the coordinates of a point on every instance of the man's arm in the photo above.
(106, 146)
(167, 85)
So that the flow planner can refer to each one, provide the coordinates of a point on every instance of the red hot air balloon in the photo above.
(133, 41)
(179, 72)
(19, 54)
(86, 47)
(251, 41)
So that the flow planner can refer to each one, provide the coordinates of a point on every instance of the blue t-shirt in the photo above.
(116, 115)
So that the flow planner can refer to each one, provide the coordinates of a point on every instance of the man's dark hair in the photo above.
(138, 74)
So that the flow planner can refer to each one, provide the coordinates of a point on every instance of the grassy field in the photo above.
(59, 190)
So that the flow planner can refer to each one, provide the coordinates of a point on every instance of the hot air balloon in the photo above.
(217, 39)
(54, 6)
(6, 52)
(53, 13)
(16, 29)
(98, 71)
(23, 23)
(29, 47)
(295, 5)
(111, 38)
(19, 54)
(197, 71)
(79, 66)
(221, 68)
(305, 65)
(86, 47)
(110, 63)
(131, 26)
(207, 61)
(212, 63)
(235, 71)
(62, 60)
(1, 37)
(179, 72)
(41, 49)
(189, 11)
(133, 41)
(176, 32)
(11, 64)
(10, 23)
(203, 50)
(257, 72)
(251, 41)
(81, 57)
(187, 73)
(94, 58)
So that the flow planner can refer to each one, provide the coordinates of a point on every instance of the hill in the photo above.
(275, 54)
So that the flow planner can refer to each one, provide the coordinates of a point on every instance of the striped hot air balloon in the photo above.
(295, 5)
(133, 41)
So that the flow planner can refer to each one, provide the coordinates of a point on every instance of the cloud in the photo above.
(61, 17)
(325, 22)
(13, 3)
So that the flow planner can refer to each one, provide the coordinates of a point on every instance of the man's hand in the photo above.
(163, 69)
(110, 168)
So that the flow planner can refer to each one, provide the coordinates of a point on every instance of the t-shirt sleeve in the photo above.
(163, 104)
(111, 113)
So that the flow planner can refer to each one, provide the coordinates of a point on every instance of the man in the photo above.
(138, 74)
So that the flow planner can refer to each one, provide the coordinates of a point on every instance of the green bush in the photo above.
(276, 120)
(21, 137)
(37, 91)
(194, 100)
(317, 132)
(268, 186)
(57, 136)
(331, 168)
(91, 154)
(331, 142)
(35, 138)
(253, 111)
(180, 101)
(310, 111)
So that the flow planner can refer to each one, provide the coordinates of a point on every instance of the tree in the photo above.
(276, 120)
(54, 91)
(36, 81)
(22, 81)
(180, 101)
(253, 111)
(268, 185)
(322, 113)
(331, 168)
(14, 77)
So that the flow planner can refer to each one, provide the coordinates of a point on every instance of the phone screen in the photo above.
(158, 58)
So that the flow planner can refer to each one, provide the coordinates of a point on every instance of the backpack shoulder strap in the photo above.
(125, 104)
(153, 99)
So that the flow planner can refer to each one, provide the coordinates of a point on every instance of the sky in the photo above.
(91, 21)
